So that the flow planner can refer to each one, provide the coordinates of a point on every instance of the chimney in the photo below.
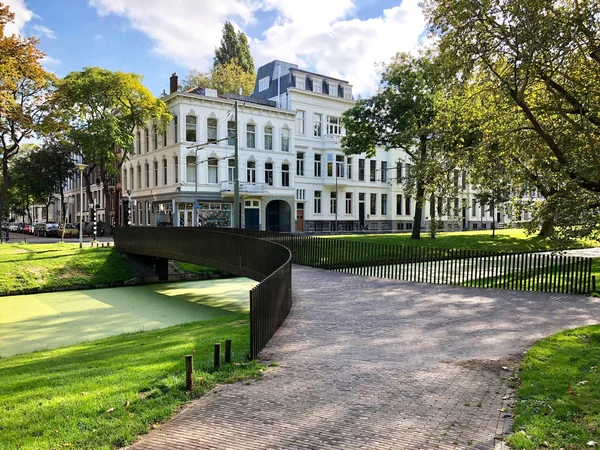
(173, 81)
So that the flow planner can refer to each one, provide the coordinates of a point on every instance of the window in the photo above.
(231, 170)
(300, 164)
(333, 125)
(373, 204)
(139, 143)
(373, 170)
(251, 136)
(148, 212)
(325, 87)
(329, 164)
(164, 172)
(473, 208)
(147, 140)
(190, 162)
(176, 169)
(398, 172)
(456, 179)
(269, 174)
(176, 129)
(285, 140)
(147, 173)
(285, 175)
(317, 203)
(125, 179)
(213, 170)
(231, 132)
(300, 83)
(464, 179)
(317, 123)
(317, 165)
(333, 202)
(308, 84)
(361, 170)
(155, 167)
(407, 206)
(316, 85)
(190, 128)
(263, 84)
(300, 117)
(339, 166)
(132, 180)
(139, 170)
(384, 171)
(349, 165)
(300, 194)
(268, 138)
(384, 204)
(398, 204)
(155, 136)
(348, 202)
(165, 138)
(251, 172)
(211, 130)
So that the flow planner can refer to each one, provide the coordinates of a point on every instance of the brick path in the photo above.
(379, 364)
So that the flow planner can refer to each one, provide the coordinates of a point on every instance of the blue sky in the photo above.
(341, 38)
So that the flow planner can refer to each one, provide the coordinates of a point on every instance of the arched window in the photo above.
(211, 130)
(147, 139)
(175, 169)
(268, 138)
(190, 128)
(285, 140)
(213, 170)
(251, 172)
(155, 136)
(164, 172)
(147, 170)
(285, 175)
(125, 179)
(155, 167)
(139, 142)
(190, 162)
(251, 135)
(269, 173)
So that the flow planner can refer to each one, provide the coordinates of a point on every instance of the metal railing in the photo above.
(262, 260)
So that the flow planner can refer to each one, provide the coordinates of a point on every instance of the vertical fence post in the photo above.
(217, 356)
(189, 372)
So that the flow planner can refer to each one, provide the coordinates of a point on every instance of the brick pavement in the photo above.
(369, 363)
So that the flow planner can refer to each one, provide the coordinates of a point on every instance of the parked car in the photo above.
(20, 227)
(13, 226)
(69, 230)
(46, 229)
(89, 228)
(27, 228)
(32, 228)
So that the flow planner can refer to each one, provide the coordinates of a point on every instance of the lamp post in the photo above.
(81, 168)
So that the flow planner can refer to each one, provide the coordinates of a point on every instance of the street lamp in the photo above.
(81, 168)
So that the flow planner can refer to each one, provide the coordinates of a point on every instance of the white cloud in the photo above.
(324, 36)
(40, 30)
(22, 16)
(49, 60)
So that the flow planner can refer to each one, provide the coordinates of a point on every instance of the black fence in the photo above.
(238, 253)
(542, 272)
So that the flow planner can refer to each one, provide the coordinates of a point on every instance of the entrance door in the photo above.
(361, 215)
(251, 216)
(300, 218)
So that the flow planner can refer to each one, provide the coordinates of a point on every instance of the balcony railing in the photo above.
(228, 186)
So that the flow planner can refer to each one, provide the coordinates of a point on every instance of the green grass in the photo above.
(27, 266)
(101, 395)
(511, 240)
(558, 399)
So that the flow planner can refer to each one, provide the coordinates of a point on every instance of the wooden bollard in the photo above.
(217, 356)
(189, 372)
(228, 351)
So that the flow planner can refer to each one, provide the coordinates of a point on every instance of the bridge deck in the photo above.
(379, 364)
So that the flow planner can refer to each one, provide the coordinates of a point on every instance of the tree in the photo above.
(25, 88)
(225, 78)
(528, 61)
(402, 116)
(234, 47)
(103, 109)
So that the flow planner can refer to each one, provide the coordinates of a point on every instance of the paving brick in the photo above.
(379, 364)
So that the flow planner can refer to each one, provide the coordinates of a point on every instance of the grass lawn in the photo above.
(44, 321)
(26, 266)
(558, 403)
(510, 240)
(102, 394)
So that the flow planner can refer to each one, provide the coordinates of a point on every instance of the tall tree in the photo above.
(234, 47)
(103, 109)
(25, 88)
(228, 77)
(402, 116)
(529, 61)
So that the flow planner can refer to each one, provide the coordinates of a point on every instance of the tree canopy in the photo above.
(234, 46)
(225, 78)
(522, 71)
(25, 88)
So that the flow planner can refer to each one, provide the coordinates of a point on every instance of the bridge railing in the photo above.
(265, 261)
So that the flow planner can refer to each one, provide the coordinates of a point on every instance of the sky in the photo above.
(347, 39)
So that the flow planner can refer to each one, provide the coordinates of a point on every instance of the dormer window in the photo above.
(300, 83)
(263, 84)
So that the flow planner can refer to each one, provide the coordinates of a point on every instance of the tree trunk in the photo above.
(416, 231)
(433, 223)
(6, 180)
(547, 227)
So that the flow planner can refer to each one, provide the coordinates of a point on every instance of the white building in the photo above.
(185, 176)
(335, 191)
